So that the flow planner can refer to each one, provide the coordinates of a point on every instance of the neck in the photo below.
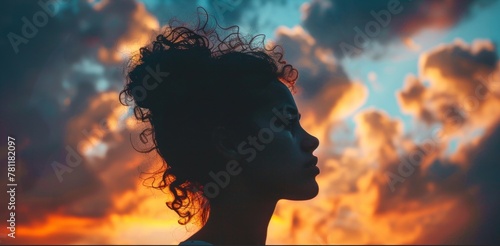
(237, 220)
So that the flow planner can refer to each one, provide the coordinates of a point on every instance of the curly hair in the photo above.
(189, 81)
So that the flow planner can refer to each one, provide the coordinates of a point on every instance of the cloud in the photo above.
(442, 198)
(446, 198)
(483, 176)
(348, 28)
(323, 81)
(127, 27)
(377, 133)
(95, 190)
(412, 97)
(60, 94)
(462, 86)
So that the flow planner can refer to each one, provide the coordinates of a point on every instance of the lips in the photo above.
(312, 162)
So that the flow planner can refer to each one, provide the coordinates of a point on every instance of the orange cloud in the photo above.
(377, 133)
(140, 26)
(325, 90)
(462, 86)
(446, 198)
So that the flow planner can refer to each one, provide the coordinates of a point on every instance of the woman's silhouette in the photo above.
(224, 121)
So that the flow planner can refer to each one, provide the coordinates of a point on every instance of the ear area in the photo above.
(226, 144)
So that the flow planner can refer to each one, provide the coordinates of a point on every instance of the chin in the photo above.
(304, 192)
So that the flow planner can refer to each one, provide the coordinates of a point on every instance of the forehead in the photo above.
(275, 96)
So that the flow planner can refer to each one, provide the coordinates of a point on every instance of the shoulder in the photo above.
(194, 242)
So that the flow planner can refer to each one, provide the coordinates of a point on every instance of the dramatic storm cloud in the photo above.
(349, 28)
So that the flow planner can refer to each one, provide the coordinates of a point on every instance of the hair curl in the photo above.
(194, 68)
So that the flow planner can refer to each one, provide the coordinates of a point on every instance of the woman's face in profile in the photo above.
(283, 165)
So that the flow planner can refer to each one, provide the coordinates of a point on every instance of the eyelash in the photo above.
(293, 121)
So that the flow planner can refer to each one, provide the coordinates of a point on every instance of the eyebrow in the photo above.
(291, 110)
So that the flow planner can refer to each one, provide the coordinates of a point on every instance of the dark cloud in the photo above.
(339, 24)
(45, 90)
(483, 175)
(323, 81)
(472, 180)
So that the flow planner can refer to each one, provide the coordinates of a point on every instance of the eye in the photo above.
(293, 120)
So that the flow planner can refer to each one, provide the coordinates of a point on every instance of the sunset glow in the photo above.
(408, 121)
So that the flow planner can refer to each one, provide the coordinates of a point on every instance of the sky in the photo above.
(403, 95)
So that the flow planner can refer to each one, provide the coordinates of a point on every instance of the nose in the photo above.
(310, 143)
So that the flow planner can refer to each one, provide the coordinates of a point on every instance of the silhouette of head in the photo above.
(222, 118)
